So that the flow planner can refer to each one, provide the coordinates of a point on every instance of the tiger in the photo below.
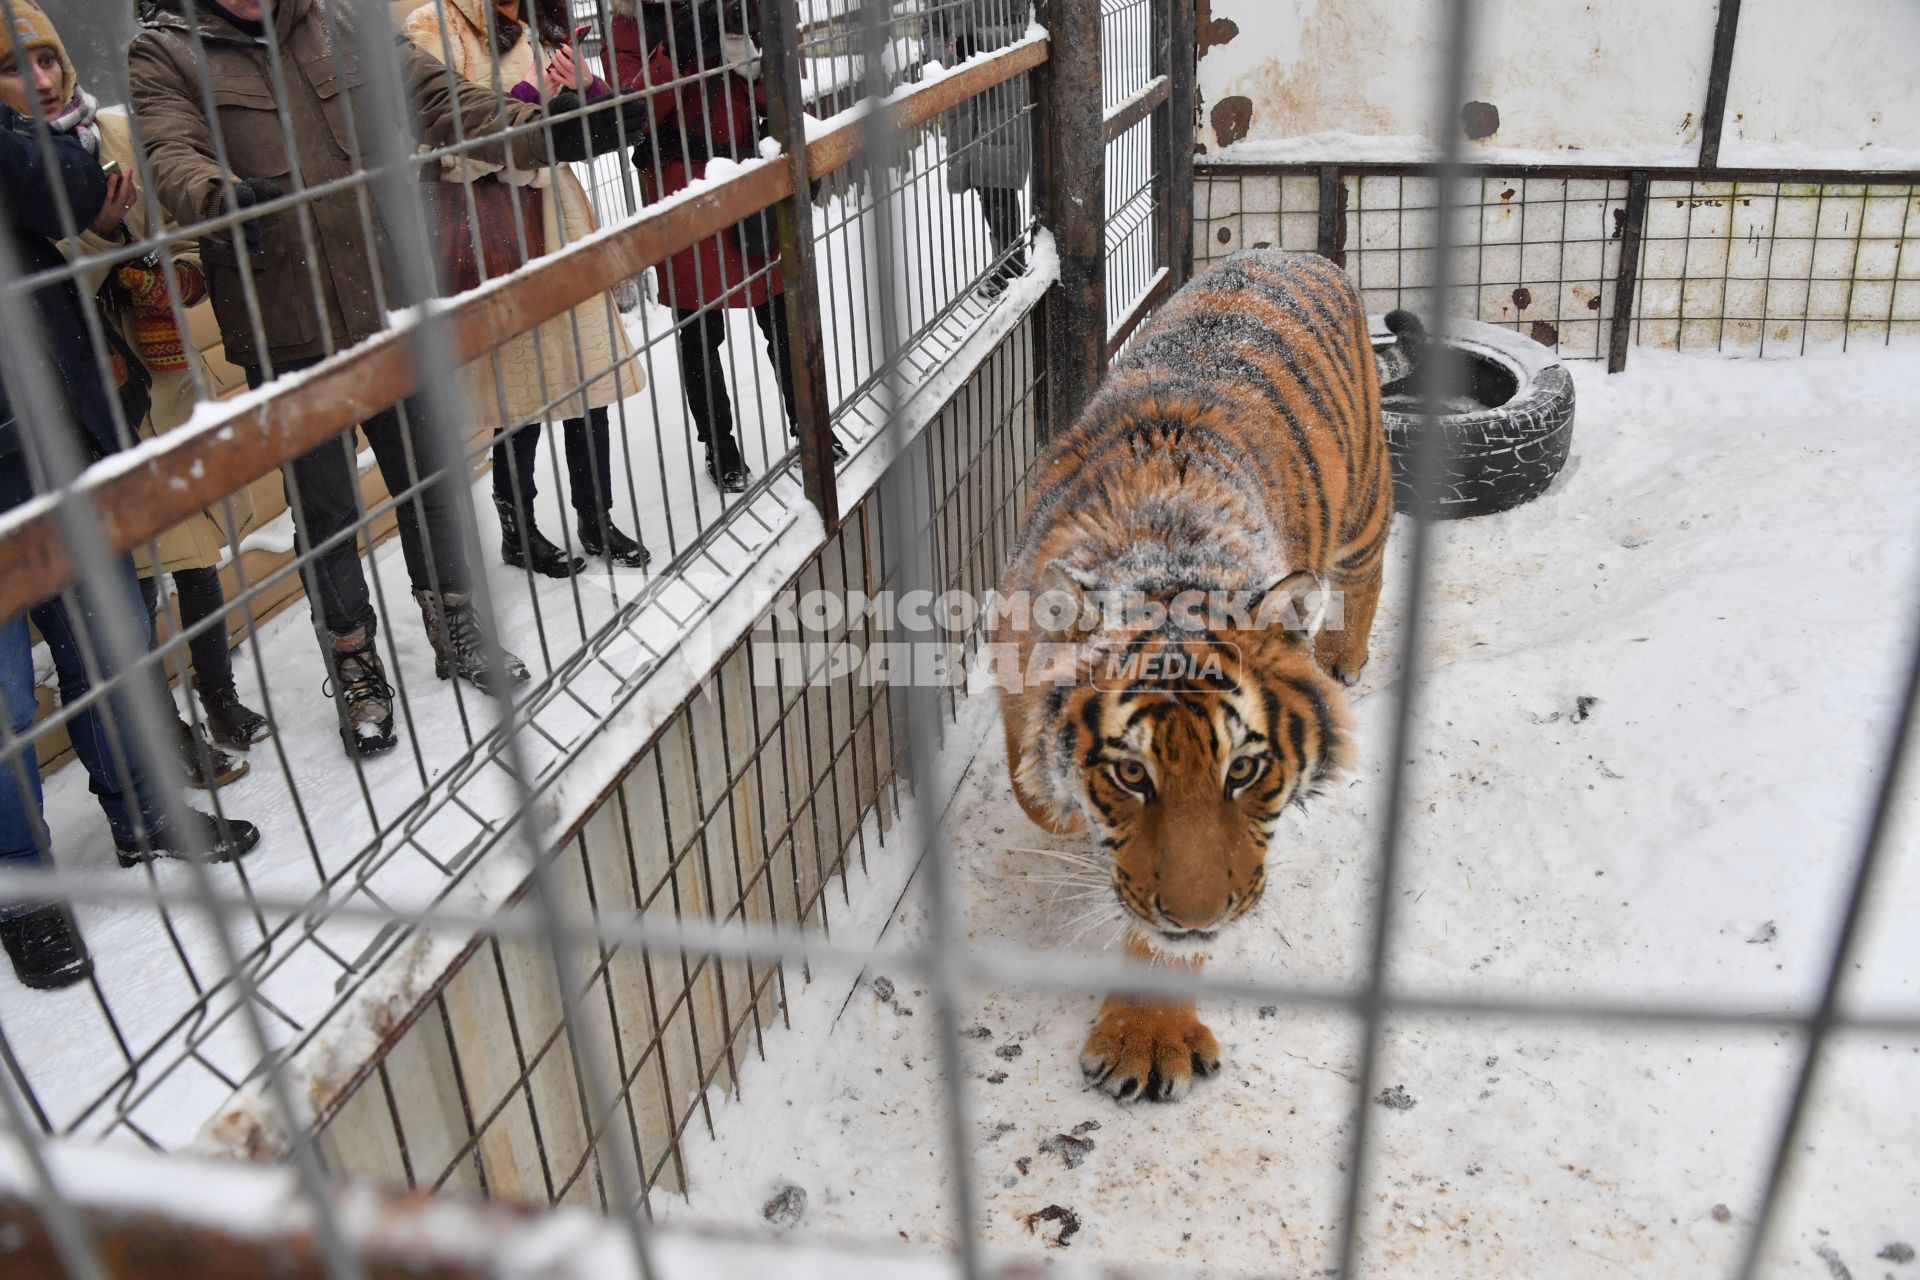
(1229, 485)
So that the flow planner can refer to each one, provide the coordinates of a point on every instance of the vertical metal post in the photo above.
(1330, 236)
(1714, 114)
(1631, 231)
(1070, 187)
(807, 359)
(1174, 41)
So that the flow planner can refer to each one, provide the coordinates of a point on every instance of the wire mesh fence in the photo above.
(1748, 267)
(518, 956)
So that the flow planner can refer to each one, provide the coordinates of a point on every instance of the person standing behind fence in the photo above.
(699, 64)
(989, 149)
(135, 298)
(326, 292)
(493, 45)
(35, 179)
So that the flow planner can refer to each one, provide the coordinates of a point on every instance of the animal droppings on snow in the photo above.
(977, 1033)
(1069, 1223)
(1008, 1051)
(1721, 1213)
(1897, 1253)
(1071, 1150)
(787, 1207)
(883, 989)
(1835, 1267)
(1583, 707)
(1269, 1010)
(1086, 1126)
(998, 1077)
(1396, 1098)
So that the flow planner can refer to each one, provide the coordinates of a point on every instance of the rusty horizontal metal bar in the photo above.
(1657, 173)
(914, 108)
(168, 480)
(1138, 107)
(1156, 293)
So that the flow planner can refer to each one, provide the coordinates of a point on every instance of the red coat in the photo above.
(715, 116)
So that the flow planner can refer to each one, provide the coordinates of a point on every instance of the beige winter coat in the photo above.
(602, 352)
(196, 543)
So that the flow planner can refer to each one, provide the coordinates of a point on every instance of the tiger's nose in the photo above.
(1187, 917)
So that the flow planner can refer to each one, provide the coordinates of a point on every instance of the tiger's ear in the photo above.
(1297, 602)
(1062, 606)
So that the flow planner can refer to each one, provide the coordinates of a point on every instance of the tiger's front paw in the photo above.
(1154, 1051)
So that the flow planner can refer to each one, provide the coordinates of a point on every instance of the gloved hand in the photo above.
(604, 128)
(741, 54)
(145, 284)
(247, 193)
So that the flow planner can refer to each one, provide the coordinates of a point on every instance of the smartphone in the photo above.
(111, 168)
(581, 34)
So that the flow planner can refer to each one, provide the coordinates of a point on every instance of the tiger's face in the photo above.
(1184, 776)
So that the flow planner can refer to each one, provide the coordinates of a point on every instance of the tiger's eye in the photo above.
(1243, 769)
(1132, 772)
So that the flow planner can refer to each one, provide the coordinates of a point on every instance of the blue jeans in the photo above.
(130, 809)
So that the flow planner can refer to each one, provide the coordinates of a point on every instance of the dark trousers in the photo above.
(1006, 221)
(703, 373)
(201, 597)
(102, 735)
(323, 488)
(589, 471)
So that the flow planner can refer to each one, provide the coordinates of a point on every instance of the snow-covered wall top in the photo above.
(1562, 80)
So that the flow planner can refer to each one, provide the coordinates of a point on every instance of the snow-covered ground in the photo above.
(1723, 578)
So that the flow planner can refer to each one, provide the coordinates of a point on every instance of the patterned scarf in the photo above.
(78, 120)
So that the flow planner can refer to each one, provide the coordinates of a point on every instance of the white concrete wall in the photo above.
(1832, 83)
(1621, 82)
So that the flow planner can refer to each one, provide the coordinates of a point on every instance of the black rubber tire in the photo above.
(1495, 459)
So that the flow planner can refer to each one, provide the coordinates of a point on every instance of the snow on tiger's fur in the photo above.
(1225, 494)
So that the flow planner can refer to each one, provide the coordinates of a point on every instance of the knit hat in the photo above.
(32, 29)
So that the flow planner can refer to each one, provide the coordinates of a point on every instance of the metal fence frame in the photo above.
(91, 520)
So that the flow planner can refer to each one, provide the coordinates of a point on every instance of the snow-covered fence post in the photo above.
(1069, 190)
(812, 411)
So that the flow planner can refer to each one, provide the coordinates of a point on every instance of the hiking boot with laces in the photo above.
(206, 766)
(45, 948)
(232, 722)
(361, 694)
(460, 646)
(196, 835)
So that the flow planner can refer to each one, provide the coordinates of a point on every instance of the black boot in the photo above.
(196, 835)
(459, 645)
(536, 553)
(725, 465)
(363, 697)
(46, 949)
(232, 722)
(839, 450)
(207, 768)
(617, 548)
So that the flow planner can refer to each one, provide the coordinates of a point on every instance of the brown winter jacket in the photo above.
(250, 117)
